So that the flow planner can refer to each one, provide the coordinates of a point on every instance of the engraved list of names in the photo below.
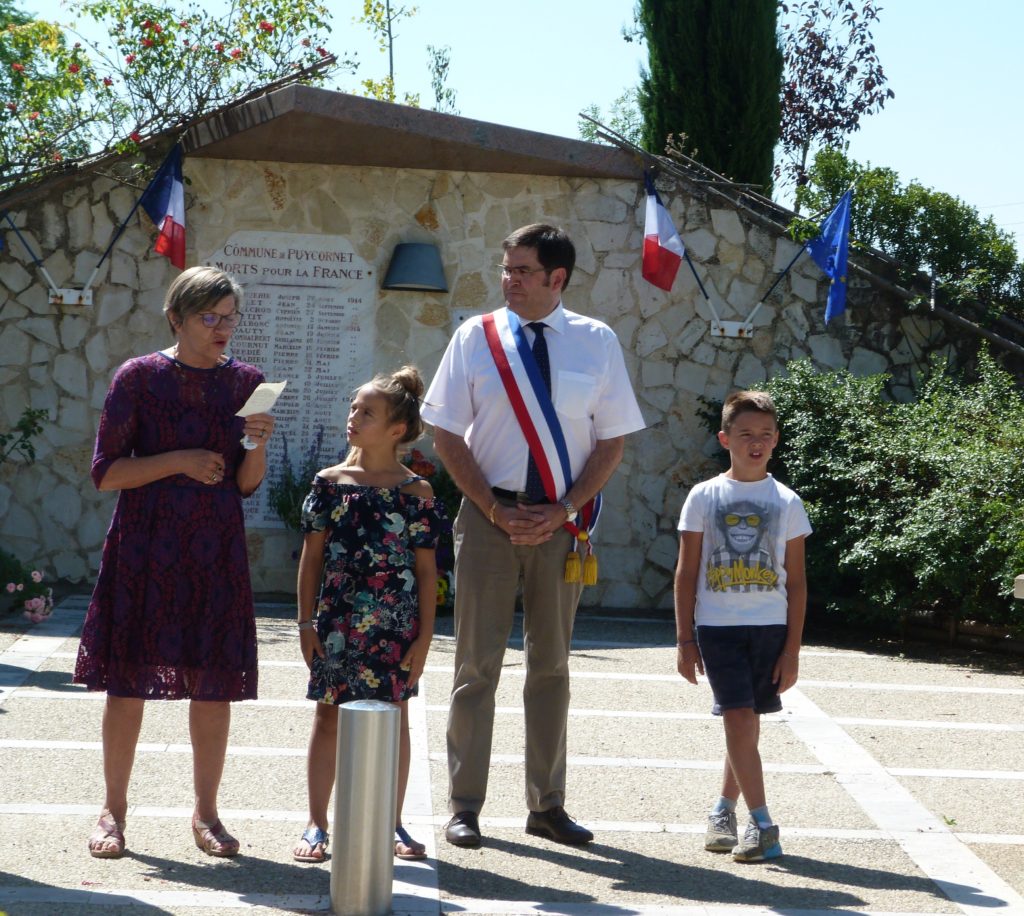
(308, 318)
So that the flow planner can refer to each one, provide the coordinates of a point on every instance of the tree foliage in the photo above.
(833, 77)
(714, 75)
(925, 230)
(623, 117)
(163, 65)
(900, 495)
(440, 60)
(379, 17)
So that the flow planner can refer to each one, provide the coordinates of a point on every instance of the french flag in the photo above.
(663, 249)
(164, 202)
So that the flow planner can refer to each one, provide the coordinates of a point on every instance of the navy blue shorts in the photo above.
(738, 662)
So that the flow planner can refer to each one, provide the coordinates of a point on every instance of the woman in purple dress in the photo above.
(172, 613)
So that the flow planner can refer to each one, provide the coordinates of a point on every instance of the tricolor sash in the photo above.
(535, 412)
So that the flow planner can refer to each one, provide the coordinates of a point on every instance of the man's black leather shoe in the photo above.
(556, 825)
(463, 830)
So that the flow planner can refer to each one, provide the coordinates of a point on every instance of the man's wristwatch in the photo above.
(570, 510)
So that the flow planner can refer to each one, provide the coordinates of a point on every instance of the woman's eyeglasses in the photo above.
(213, 320)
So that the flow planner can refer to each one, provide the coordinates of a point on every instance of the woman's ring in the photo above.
(213, 478)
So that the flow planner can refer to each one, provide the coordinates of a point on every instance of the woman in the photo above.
(172, 613)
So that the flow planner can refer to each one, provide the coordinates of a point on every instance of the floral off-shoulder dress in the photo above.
(367, 613)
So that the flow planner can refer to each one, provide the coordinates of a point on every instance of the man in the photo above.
(518, 500)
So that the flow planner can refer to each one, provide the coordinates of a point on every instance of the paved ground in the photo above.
(897, 783)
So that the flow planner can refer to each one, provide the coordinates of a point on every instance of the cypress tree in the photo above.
(715, 73)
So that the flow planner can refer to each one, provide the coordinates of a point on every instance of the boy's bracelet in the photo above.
(306, 624)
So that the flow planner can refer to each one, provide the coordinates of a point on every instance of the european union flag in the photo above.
(830, 251)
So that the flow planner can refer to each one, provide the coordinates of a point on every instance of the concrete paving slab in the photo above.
(962, 750)
(947, 708)
(1005, 860)
(668, 870)
(971, 805)
(818, 662)
(162, 723)
(700, 739)
(644, 766)
(629, 795)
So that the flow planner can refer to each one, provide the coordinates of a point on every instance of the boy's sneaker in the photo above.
(759, 843)
(721, 835)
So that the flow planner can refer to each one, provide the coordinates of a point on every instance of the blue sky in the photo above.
(955, 124)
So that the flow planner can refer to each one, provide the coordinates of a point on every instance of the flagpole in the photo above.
(35, 258)
(123, 225)
(785, 271)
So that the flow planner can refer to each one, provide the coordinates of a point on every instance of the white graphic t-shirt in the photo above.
(746, 525)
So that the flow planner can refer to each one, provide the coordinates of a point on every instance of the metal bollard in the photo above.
(365, 798)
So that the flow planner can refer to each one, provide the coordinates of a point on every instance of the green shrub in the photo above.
(290, 489)
(916, 507)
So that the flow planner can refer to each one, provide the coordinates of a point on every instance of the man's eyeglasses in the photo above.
(733, 520)
(213, 320)
(520, 273)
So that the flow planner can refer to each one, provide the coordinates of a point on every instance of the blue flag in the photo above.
(830, 251)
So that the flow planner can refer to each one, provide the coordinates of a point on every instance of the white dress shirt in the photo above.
(590, 389)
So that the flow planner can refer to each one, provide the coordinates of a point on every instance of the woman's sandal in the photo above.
(317, 840)
(407, 848)
(107, 839)
(213, 839)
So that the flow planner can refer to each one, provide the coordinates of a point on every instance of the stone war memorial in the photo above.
(303, 195)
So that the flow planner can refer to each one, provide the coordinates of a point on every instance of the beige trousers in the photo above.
(488, 573)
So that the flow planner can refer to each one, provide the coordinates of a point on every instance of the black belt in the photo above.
(513, 496)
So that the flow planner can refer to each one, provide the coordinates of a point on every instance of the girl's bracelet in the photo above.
(306, 624)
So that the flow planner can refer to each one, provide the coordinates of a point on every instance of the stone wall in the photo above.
(61, 358)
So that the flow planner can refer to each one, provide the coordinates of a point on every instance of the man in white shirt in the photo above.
(510, 528)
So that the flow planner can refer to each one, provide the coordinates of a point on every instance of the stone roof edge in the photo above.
(560, 155)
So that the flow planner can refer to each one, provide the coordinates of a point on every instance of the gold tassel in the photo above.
(590, 570)
(572, 566)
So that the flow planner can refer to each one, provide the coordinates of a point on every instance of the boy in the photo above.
(740, 597)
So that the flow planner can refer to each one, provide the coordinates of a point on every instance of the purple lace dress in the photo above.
(172, 613)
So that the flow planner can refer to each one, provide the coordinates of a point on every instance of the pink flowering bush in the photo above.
(154, 70)
(23, 588)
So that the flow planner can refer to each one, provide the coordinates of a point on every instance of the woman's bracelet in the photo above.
(490, 513)
(306, 624)
(686, 642)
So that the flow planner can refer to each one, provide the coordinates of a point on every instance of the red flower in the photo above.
(157, 28)
(73, 68)
(147, 42)
(236, 53)
(148, 24)
(57, 157)
(11, 106)
(18, 68)
(183, 24)
(306, 42)
(33, 116)
(186, 42)
(135, 135)
(321, 52)
(107, 81)
(130, 59)
(267, 26)
(219, 46)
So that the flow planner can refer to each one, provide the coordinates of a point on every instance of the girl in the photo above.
(367, 587)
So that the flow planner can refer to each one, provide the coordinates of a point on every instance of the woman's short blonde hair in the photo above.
(196, 290)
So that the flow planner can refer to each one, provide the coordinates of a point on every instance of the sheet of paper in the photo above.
(262, 399)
